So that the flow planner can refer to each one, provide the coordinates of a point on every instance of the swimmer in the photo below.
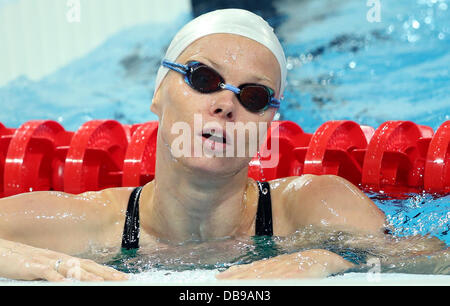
(226, 66)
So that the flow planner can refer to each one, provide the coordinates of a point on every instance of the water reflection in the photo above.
(359, 249)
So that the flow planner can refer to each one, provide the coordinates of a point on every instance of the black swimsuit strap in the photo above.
(263, 224)
(130, 237)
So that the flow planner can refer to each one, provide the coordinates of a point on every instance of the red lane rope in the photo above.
(398, 156)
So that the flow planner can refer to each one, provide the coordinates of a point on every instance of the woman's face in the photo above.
(186, 116)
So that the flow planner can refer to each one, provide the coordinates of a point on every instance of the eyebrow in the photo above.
(219, 67)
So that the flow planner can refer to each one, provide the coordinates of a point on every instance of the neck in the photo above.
(186, 205)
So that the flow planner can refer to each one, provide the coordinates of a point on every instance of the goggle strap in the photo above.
(274, 103)
(175, 66)
(230, 87)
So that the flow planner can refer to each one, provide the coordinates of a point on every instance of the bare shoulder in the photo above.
(106, 209)
(64, 222)
(52, 202)
(115, 198)
(102, 204)
(324, 201)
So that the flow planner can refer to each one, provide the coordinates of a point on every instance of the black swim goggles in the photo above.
(254, 97)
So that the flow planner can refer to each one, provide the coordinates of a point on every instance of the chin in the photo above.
(217, 166)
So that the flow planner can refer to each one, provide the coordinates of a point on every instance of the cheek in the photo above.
(184, 89)
(177, 100)
(181, 105)
(263, 118)
(261, 122)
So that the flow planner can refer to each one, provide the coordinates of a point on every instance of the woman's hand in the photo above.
(306, 264)
(22, 262)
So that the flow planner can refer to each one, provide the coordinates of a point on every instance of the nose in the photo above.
(224, 107)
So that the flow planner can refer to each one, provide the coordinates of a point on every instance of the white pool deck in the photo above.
(207, 278)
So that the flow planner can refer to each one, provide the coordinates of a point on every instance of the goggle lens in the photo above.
(253, 97)
(204, 79)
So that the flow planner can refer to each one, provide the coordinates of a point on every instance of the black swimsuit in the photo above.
(263, 223)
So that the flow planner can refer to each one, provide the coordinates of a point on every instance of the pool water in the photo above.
(418, 214)
(344, 67)
(340, 66)
(393, 253)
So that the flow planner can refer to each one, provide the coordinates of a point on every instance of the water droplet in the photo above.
(390, 29)
(263, 179)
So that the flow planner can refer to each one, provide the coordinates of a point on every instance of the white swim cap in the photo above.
(231, 21)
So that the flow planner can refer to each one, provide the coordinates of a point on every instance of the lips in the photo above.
(216, 135)
(214, 138)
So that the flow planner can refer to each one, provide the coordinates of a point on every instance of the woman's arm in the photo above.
(337, 213)
(23, 262)
(39, 229)
(330, 202)
(437, 262)
(315, 263)
(64, 222)
(319, 210)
